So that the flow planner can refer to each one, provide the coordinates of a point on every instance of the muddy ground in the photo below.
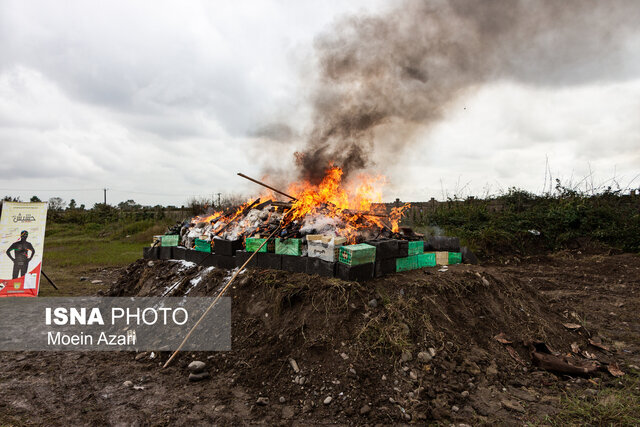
(414, 347)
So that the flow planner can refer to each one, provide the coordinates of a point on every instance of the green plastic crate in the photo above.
(407, 263)
(253, 243)
(203, 245)
(289, 247)
(416, 248)
(426, 260)
(169, 240)
(357, 254)
(455, 257)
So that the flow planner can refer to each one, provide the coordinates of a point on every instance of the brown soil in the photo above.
(351, 349)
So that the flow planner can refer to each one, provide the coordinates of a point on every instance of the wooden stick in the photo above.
(219, 296)
(265, 185)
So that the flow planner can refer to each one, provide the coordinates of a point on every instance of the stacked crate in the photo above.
(202, 245)
(359, 262)
(356, 262)
(387, 251)
(253, 244)
(289, 247)
(416, 258)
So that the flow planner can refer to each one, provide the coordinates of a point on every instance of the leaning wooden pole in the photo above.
(220, 294)
(265, 185)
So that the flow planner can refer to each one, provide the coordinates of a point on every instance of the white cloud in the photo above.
(151, 98)
(501, 136)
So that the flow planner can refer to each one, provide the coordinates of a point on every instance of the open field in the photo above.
(314, 320)
(73, 251)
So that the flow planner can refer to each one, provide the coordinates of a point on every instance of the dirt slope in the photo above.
(411, 347)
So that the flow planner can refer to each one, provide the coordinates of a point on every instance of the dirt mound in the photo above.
(417, 345)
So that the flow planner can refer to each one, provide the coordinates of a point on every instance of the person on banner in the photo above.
(20, 255)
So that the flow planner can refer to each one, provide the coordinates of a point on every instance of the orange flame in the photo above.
(351, 203)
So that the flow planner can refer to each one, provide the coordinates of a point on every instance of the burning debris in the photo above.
(330, 229)
(327, 209)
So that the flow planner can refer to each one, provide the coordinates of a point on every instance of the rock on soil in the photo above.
(199, 377)
(196, 366)
(512, 405)
(425, 356)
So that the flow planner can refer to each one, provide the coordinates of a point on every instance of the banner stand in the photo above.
(49, 280)
(22, 229)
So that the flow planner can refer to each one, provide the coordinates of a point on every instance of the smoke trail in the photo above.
(400, 70)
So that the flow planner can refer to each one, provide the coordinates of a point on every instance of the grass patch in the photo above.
(617, 404)
(75, 250)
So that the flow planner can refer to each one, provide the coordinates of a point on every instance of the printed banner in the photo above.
(22, 227)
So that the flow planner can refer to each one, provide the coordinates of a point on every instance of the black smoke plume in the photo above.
(400, 70)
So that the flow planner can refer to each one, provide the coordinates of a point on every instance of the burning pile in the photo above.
(329, 208)
(331, 229)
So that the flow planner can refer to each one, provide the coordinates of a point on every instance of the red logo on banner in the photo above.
(25, 286)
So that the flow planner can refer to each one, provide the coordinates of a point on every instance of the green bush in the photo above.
(568, 217)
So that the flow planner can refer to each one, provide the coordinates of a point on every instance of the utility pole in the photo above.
(105, 195)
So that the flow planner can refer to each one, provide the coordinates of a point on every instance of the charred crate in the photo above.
(360, 272)
(289, 247)
(203, 245)
(455, 257)
(357, 254)
(407, 263)
(169, 240)
(415, 248)
(426, 260)
(226, 247)
(252, 244)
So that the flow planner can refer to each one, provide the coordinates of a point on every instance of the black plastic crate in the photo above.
(209, 260)
(179, 253)
(321, 267)
(150, 252)
(295, 264)
(269, 261)
(403, 248)
(195, 256)
(225, 261)
(385, 248)
(165, 252)
(226, 247)
(360, 273)
(384, 267)
(243, 256)
(442, 244)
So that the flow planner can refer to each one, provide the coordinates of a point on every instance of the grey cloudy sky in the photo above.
(160, 101)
